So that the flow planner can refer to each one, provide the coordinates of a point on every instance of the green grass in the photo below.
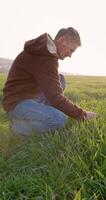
(69, 164)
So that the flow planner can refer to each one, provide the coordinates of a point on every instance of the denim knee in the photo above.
(31, 116)
(57, 120)
(50, 123)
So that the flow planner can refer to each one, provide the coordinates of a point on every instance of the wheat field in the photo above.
(69, 164)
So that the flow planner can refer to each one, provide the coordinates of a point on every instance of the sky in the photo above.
(22, 20)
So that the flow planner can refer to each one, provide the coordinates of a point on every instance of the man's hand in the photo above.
(90, 115)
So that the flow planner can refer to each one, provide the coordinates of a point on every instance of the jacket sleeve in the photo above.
(48, 80)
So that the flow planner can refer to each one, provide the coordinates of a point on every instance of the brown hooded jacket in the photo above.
(35, 69)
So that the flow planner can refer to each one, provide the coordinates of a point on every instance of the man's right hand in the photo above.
(90, 115)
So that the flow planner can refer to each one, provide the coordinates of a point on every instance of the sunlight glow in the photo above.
(21, 20)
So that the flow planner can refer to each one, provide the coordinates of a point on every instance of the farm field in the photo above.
(69, 164)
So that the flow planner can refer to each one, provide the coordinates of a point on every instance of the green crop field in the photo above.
(69, 164)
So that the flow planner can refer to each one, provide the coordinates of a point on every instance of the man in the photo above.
(33, 93)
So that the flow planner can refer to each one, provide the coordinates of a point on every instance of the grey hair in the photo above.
(69, 33)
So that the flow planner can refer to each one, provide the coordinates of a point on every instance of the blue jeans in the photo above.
(37, 115)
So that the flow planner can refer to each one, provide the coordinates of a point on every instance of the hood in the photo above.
(42, 45)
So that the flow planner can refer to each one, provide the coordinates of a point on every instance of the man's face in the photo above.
(66, 48)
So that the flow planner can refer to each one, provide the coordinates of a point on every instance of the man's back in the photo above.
(26, 69)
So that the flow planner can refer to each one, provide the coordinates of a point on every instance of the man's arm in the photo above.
(48, 80)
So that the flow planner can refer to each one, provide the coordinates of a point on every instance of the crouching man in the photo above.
(33, 93)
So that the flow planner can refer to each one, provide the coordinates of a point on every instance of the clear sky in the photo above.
(21, 20)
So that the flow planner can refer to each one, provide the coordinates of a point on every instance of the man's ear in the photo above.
(61, 39)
